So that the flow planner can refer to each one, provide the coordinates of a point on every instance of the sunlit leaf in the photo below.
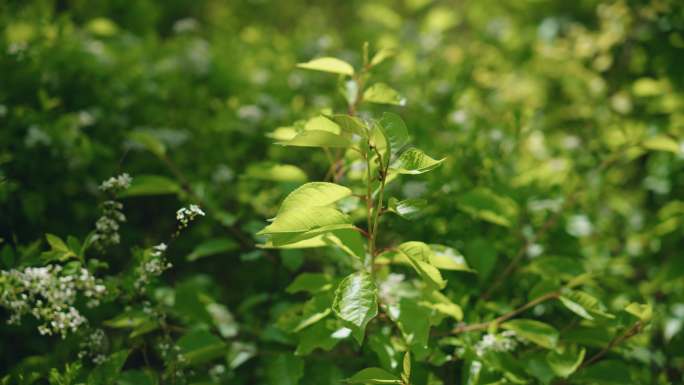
(356, 302)
(328, 64)
(414, 161)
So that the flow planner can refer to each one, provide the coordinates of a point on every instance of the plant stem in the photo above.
(485, 325)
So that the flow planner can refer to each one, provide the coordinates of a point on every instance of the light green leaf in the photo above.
(350, 124)
(313, 311)
(540, 333)
(447, 258)
(584, 305)
(284, 369)
(317, 336)
(239, 353)
(317, 138)
(662, 143)
(356, 302)
(642, 311)
(484, 204)
(223, 319)
(395, 131)
(373, 376)
(414, 161)
(312, 220)
(310, 282)
(383, 94)
(441, 303)
(314, 194)
(275, 172)
(408, 208)
(406, 368)
(328, 64)
(565, 363)
(419, 255)
(151, 185)
(212, 247)
(149, 141)
(414, 323)
(381, 55)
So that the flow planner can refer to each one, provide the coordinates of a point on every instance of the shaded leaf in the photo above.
(540, 333)
(567, 362)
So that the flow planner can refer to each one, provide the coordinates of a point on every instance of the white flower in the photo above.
(186, 215)
(502, 342)
(116, 183)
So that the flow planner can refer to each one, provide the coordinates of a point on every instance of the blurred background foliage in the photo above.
(562, 123)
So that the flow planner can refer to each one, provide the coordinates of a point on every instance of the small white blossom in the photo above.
(503, 342)
(116, 183)
(185, 215)
(153, 265)
(49, 295)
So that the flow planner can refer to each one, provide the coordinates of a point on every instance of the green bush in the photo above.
(412, 192)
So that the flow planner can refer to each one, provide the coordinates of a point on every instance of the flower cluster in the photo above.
(185, 215)
(107, 226)
(503, 342)
(49, 294)
(94, 345)
(116, 183)
(153, 265)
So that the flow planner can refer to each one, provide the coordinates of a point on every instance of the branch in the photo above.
(617, 340)
(485, 325)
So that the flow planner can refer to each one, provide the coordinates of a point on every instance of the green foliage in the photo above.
(369, 192)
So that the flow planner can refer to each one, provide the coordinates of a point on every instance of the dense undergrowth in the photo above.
(412, 192)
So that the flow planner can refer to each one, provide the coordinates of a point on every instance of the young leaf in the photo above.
(328, 64)
(350, 124)
(418, 255)
(414, 161)
(383, 94)
(381, 55)
(311, 220)
(314, 194)
(395, 131)
(584, 305)
(566, 363)
(356, 302)
(540, 333)
(317, 138)
(642, 311)
(408, 208)
(373, 376)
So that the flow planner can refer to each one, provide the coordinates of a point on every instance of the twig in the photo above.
(485, 325)
(617, 340)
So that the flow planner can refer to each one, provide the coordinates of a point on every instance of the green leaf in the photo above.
(383, 94)
(200, 346)
(107, 372)
(313, 220)
(540, 333)
(584, 305)
(310, 282)
(608, 372)
(314, 194)
(373, 376)
(408, 208)
(137, 377)
(284, 369)
(381, 56)
(414, 323)
(642, 311)
(662, 143)
(317, 336)
(406, 368)
(350, 124)
(395, 131)
(275, 172)
(143, 185)
(223, 319)
(128, 320)
(313, 311)
(212, 247)
(328, 64)
(565, 363)
(441, 303)
(414, 161)
(484, 204)
(419, 255)
(149, 141)
(239, 353)
(356, 302)
(447, 258)
(317, 138)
